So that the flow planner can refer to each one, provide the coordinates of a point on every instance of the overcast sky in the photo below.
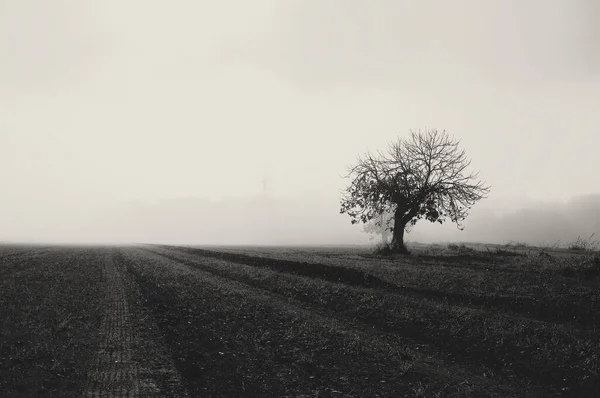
(105, 102)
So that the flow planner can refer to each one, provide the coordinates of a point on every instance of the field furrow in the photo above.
(168, 321)
(113, 373)
(568, 301)
(119, 368)
(511, 345)
(463, 378)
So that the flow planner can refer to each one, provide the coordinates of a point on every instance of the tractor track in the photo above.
(521, 368)
(123, 366)
(323, 315)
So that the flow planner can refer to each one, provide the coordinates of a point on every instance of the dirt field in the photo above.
(166, 321)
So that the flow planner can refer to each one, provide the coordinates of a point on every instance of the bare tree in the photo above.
(423, 176)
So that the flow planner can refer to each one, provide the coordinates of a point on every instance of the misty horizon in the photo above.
(232, 123)
(271, 221)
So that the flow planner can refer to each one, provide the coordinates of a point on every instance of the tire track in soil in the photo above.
(196, 263)
(426, 362)
(524, 307)
(116, 370)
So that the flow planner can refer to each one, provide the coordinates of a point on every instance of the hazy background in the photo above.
(140, 120)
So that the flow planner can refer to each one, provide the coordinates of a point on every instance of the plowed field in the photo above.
(168, 321)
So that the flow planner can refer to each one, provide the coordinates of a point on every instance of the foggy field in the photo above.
(169, 321)
(131, 131)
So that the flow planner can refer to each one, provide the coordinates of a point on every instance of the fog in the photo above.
(232, 122)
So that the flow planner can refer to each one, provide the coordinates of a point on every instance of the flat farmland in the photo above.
(173, 321)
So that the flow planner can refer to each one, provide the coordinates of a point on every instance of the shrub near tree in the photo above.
(380, 225)
(421, 177)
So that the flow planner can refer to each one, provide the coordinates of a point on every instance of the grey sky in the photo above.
(104, 102)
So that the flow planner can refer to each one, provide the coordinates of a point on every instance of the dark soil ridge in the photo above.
(477, 261)
(484, 259)
(461, 349)
(582, 313)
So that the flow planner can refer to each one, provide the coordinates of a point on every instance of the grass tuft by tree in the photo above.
(421, 177)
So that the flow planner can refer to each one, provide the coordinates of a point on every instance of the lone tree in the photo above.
(423, 176)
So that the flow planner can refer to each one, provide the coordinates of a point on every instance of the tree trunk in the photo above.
(398, 234)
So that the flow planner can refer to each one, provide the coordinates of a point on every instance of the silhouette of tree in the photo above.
(422, 176)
